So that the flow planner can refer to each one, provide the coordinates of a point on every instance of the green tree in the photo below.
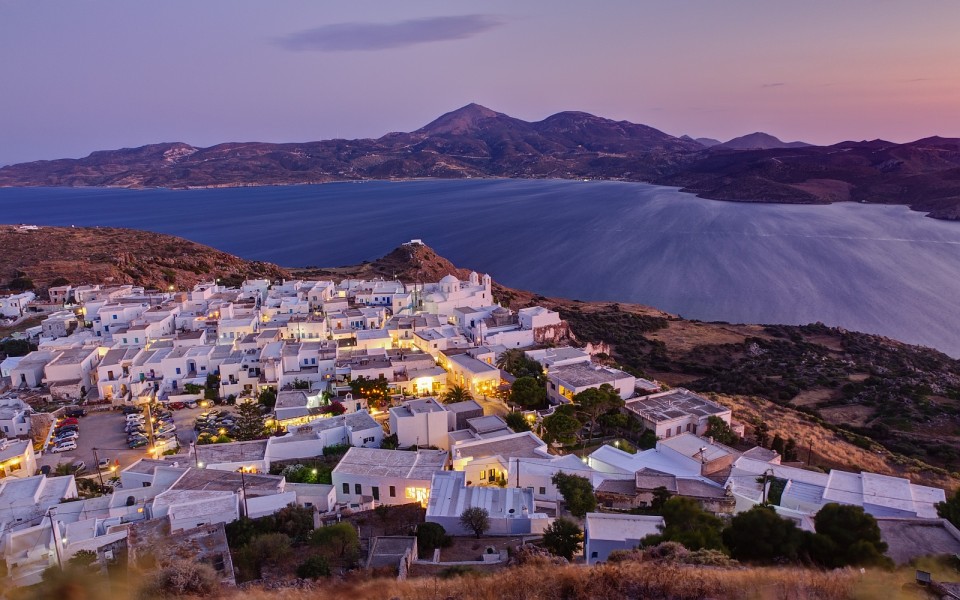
(528, 392)
(762, 432)
(14, 347)
(83, 559)
(314, 567)
(268, 398)
(719, 430)
(249, 422)
(211, 390)
(340, 538)
(476, 519)
(950, 510)
(846, 535)
(20, 284)
(777, 445)
(687, 523)
(265, 550)
(660, 496)
(594, 402)
(517, 363)
(431, 536)
(390, 442)
(300, 385)
(561, 428)
(577, 493)
(456, 393)
(563, 537)
(517, 422)
(759, 535)
(790, 450)
(376, 391)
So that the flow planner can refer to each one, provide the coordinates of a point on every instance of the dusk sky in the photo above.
(84, 76)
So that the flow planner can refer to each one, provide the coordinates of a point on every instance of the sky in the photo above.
(76, 77)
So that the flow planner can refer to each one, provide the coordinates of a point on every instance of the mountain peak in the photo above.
(759, 140)
(460, 121)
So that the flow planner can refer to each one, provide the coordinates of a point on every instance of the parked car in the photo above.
(68, 421)
(176, 405)
(75, 412)
(191, 404)
(104, 463)
(135, 417)
(137, 443)
(70, 435)
(68, 429)
(129, 410)
(66, 447)
(78, 466)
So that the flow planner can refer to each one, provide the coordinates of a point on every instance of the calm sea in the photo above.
(880, 269)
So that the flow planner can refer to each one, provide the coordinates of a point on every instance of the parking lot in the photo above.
(104, 430)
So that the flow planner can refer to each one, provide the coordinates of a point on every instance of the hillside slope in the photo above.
(108, 255)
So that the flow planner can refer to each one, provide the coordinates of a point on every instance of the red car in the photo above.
(176, 405)
(69, 421)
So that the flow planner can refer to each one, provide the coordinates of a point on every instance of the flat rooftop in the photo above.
(212, 480)
(233, 452)
(580, 375)
(420, 465)
(472, 365)
(674, 404)
(603, 526)
(450, 496)
(524, 445)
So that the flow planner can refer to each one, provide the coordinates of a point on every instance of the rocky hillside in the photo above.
(475, 141)
(107, 255)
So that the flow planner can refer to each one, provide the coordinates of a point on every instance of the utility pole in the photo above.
(53, 535)
(96, 459)
(518, 471)
(243, 487)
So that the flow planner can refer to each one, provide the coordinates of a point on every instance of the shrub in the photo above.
(476, 519)
(431, 536)
(563, 537)
(182, 578)
(314, 568)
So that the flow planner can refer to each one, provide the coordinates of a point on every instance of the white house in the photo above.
(477, 376)
(421, 422)
(386, 476)
(29, 371)
(676, 411)
(17, 458)
(14, 417)
(13, 306)
(603, 533)
(511, 511)
(566, 381)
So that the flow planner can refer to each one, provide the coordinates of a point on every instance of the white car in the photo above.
(66, 437)
(65, 447)
(135, 417)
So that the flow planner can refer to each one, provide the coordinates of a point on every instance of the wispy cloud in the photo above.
(346, 37)
(773, 85)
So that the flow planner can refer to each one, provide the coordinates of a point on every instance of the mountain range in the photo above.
(475, 141)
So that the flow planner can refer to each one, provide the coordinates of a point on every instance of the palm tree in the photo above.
(510, 360)
(457, 393)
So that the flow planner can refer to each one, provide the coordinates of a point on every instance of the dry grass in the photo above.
(826, 448)
(630, 580)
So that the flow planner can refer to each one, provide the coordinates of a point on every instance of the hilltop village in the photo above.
(159, 419)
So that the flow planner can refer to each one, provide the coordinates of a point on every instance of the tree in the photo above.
(13, 347)
(376, 391)
(950, 510)
(846, 535)
(268, 398)
(594, 402)
(762, 432)
(58, 281)
(301, 385)
(249, 422)
(563, 538)
(20, 284)
(456, 393)
(660, 496)
(687, 523)
(212, 388)
(340, 538)
(759, 535)
(517, 422)
(314, 567)
(517, 363)
(390, 442)
(528, 392)
(476, 519)
(431, 536)
(777, 445)
(334, 409)
(561, 428)
(790, 450)
(720, 430)
(83, 559)
(182, 578)
(577, 493)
